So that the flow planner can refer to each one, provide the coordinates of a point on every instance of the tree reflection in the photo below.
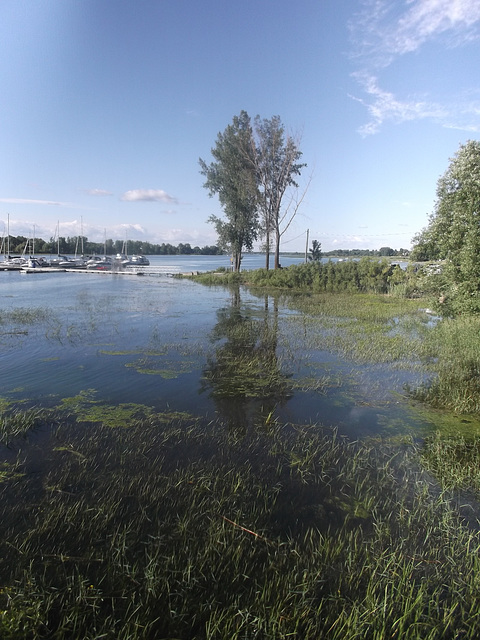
(244, 374)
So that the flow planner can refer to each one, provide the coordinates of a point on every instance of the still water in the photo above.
(175, 345)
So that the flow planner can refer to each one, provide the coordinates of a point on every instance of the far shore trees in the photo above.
(254, 169)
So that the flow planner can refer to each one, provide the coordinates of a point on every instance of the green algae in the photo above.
(170, 369)
(87, 408)
(164, 373)
(122, 415)
(4, 404)
(446, 422)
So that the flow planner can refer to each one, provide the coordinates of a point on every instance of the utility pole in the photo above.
(306, 248)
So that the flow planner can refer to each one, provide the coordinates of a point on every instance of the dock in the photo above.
(151, 271)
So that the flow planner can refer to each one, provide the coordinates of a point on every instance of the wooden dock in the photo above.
(151, 271)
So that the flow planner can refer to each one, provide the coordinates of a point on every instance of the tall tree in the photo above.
(277, 156)
(232, 177)
(315, 251)
(453, 232)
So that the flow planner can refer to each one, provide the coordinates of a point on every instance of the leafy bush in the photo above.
(365, 275)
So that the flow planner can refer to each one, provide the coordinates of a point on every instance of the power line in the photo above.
(293, 239)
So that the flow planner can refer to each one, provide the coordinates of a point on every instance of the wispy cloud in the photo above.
(386, 30)
(98, 192)
(383, 106)
(28, 201)
(148, 195)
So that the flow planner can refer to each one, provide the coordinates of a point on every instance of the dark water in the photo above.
(179, 346)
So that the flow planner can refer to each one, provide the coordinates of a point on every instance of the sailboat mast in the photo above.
(81, 231)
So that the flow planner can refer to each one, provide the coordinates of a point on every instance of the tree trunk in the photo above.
(237, 260)
(277, 249)
(267, 250)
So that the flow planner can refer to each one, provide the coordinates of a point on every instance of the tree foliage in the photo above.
(277, 165)
(316, 251)
(232, 177)
(453, 233)
(253, 169)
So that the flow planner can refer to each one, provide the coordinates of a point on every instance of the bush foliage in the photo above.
(363, 276)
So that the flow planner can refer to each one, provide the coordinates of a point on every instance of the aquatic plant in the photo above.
(17, 423)
(183, 529)
(454, 460)
(454, 351)
(363, 328)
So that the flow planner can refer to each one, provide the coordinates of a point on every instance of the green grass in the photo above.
(177, 528)
(363, 327)
(454, 349)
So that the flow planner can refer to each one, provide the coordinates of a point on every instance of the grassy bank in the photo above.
(355, 276)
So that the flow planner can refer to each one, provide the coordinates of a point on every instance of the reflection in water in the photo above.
(244, 374)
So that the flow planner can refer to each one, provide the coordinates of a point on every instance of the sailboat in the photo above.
(11, 263)
(62, 261)
(101, 263)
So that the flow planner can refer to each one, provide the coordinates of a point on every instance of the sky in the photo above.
(107, 106)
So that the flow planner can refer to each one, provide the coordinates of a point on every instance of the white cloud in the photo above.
(147, 195)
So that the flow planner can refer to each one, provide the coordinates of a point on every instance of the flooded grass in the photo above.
(177, 528)
(123, 521)
(364, 327)
(454, 349)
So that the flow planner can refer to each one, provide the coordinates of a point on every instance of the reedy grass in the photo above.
(454, 460)
(363, 327)
(188, 530)
(454, 350)
(17, 423)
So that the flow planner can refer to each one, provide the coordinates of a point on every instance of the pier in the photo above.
(151, 271)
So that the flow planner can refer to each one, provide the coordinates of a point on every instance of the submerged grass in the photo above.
(177, 528)
(454, 348)
(363, 327)
(454, 460)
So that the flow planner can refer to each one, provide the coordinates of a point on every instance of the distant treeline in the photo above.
(20, 244)
(79, 245)
(382, 252)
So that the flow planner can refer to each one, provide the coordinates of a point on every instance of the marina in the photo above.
(159, 265)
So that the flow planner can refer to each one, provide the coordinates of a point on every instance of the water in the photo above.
(175, 345)
(189, 263)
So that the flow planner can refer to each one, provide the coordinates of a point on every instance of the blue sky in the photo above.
(106, 107)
